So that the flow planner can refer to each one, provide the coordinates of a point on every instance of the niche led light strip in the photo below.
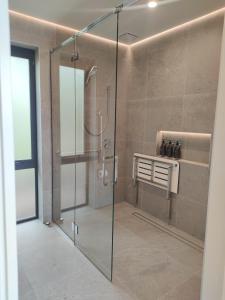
(184, 133)
(171, 30)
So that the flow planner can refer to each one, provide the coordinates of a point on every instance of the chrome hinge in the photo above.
(118, 9)
(75, 228)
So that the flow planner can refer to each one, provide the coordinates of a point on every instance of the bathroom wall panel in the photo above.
(176, 77)
(153, 201)
(191, 217)
(194, 182)
(166, 66)
(203, 56)
(199, 112)
(160, 112)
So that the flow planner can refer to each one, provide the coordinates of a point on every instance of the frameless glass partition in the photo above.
(64, 134)
(95, 220)
(83, 123)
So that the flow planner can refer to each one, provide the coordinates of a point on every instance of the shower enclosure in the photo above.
(84, 87)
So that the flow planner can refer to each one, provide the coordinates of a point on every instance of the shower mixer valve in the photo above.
(107, 144)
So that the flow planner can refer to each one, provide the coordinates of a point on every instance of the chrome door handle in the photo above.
(116, 169)
(104, 171)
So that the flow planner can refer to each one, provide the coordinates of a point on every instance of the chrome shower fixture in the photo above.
(75, 57)
(91, 73)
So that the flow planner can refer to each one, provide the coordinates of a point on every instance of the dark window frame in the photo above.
(32, 163)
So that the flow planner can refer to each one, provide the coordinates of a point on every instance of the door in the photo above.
(83, 77)
(98, 58)
(25, 137)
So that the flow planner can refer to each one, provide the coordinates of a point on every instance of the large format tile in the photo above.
(148, 264)
(191, 217)
(203, 56)
(199, 112)
(153, 200)
(194, 182)
(190, 289)
(166, 66)
(162, 114)
(136, 120)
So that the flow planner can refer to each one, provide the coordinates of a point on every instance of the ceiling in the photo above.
(138, 20)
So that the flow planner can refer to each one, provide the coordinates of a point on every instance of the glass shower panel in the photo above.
(97, 58)
(68, 137)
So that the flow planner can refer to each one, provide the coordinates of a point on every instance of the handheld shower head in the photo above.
(91, 72)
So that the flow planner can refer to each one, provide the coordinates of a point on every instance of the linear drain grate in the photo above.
(172, 231)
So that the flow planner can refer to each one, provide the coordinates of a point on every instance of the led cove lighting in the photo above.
(129, 47)
(152, 4)
(178, 27)
(62, 27)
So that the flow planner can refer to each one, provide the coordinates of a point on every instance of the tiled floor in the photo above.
(148, 264)
(152, 265)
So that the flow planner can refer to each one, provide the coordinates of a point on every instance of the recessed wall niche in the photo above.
(195, 147)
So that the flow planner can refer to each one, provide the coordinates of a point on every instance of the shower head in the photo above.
(91, 72)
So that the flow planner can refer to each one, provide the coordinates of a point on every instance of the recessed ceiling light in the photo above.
(152, 4)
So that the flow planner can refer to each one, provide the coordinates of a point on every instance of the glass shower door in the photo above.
(97, 58)
(83, 78)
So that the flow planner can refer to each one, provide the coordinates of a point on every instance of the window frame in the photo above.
(32, 163)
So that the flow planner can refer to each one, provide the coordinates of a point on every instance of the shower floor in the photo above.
(148, 264)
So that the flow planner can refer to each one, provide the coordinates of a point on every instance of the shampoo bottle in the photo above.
(162, 150)
(177, 150)
(169, 149)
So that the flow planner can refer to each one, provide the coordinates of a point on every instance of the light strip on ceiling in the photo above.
(148, 39)
(179, 27)
(62, 27)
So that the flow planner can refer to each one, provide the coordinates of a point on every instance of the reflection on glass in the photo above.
(25, 194)
(95, 220)
(68, 185)
(70, 104)
(84, 88)
(21, 107)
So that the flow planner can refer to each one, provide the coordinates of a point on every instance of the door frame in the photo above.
(8, 248)
(17, 51)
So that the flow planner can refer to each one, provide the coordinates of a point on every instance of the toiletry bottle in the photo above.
(177, 150)
(162, 148)
(169, 149)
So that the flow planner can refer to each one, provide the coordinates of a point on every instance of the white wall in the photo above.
(8, 254)
(213, 284)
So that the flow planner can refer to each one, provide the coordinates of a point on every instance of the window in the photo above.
(25, 137)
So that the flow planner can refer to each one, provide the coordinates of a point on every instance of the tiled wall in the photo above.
(173, 86)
